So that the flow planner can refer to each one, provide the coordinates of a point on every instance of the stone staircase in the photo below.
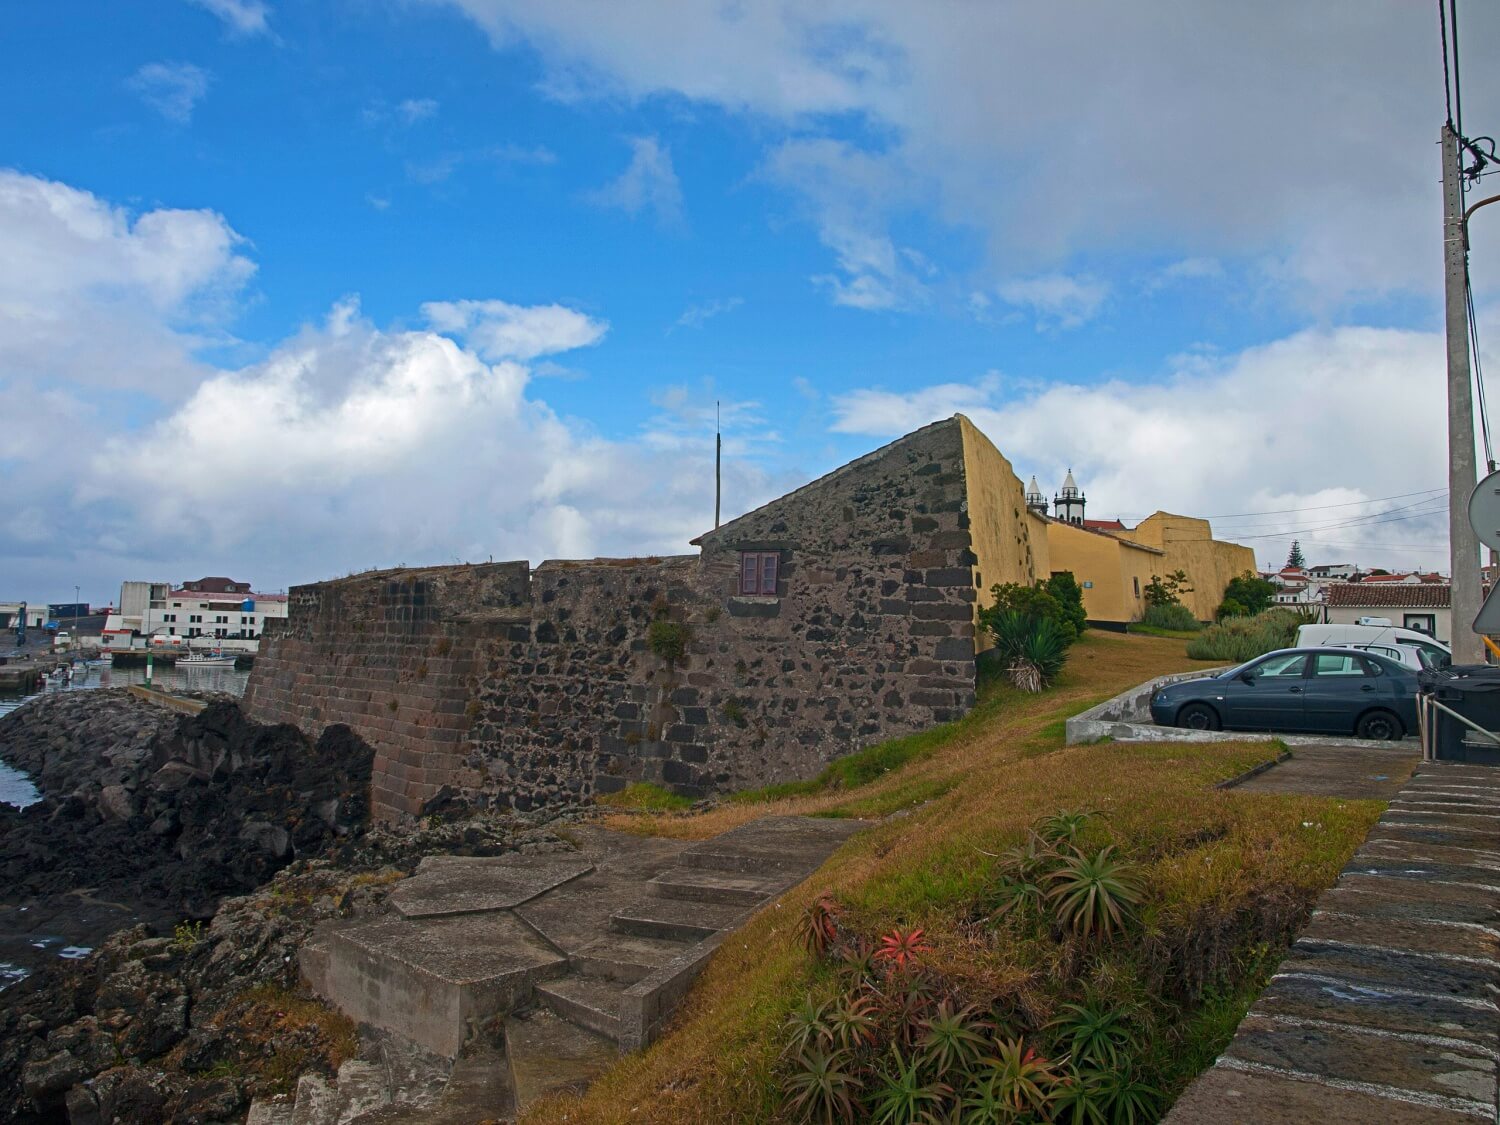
(503, 979)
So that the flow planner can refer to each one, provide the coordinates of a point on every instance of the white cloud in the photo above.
(1184, 270)
(648, 183)
(403, 114)
(97, 296)
(849, 195)
(1318, 417)
(172, 89)
(352, 446)
(1057, 132)
(241, 17)
(695, 316)
(1057, 300)
(497, 330)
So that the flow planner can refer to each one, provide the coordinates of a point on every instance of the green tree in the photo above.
(1250, 592)
(1295, 557)
(1168, 590)
(1032, 602)
(1069, 594)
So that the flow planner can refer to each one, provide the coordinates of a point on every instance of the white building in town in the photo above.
(206, 611)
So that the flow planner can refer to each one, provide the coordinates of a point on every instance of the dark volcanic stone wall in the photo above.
(393, 655)
(523, 688)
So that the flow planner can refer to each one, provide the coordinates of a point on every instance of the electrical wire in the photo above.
(1458, 85)
(1352, 521)
(1313, 508)
(1447, 83)
(1484, 411)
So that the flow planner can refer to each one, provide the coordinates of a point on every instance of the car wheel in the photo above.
(1381, 726)
(1198, 716)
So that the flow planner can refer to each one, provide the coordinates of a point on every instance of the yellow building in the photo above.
(1113, 572)
(1013, 539)
(1187, 544)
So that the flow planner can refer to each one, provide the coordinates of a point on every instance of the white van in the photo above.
(1348, 636)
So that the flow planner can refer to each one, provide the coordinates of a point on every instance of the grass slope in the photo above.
(1230, 876)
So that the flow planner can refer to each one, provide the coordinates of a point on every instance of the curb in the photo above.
(1254, 771)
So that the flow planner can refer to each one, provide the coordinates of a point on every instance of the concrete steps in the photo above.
(593, 1003)
(547, 1054)
(573, 957)
(676, 919)
(626, 957)
(701, 884)
(430, 980)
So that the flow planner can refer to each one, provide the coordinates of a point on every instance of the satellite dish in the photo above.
(1484, 511)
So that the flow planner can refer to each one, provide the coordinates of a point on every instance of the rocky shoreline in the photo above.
(197, 852)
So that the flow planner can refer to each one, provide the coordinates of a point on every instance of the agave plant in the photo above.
(1096, 1034)
(807, 1026)
(1096, 895)
(903, 1097)
(953, 1040)
(1038, 655)
(822, 1088)
(1015, 1078)
(902, 947)
(820, 925)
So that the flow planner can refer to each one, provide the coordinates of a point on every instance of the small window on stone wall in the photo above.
(758, 570)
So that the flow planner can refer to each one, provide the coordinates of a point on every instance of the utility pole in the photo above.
(1463, 543)
(718, 464)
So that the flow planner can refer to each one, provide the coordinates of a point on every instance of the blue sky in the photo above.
(1192, 255)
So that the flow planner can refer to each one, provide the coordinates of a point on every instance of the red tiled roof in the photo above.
(1104, 525)
(1362, 595)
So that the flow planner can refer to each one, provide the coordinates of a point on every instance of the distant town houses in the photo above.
(222, 611)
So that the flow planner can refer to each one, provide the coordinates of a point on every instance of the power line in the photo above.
(1447, 84)
(1371, 517)
(1313, 508)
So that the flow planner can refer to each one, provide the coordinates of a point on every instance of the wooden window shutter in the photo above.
(768, 563)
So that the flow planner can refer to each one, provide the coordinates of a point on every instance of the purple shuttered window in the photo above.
(758, 571)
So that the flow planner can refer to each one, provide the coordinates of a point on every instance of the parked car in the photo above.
(1301, 691)
(1415, 657)
(1375, 631)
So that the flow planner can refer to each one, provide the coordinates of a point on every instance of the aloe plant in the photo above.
(822, 1087)
(902, 947)
(1015, 1078)
(1079, 1099)
(851, 1023)
(1096, 1034)
(1094, 896)
(904, 1097)
(1064, 826)
(954, 1039)
(807, 1026)
(820, 925)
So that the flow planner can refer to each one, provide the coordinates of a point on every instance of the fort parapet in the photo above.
(837, 616)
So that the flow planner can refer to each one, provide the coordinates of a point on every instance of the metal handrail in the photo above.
(1429, 751)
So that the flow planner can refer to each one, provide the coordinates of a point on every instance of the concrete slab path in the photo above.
(1370, 769)
(1385, 1008)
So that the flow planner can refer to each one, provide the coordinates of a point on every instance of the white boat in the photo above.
(214, 659)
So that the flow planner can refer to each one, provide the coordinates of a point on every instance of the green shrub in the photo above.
(1069, 594)
(1173, 615)
(1168, 590)
(668, 639)
(1251, 592)
(1032, 602)
(1238, 639)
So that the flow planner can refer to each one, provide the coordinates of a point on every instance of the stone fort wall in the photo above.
(520, 687)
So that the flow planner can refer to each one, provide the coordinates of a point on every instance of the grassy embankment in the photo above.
(1228, 878)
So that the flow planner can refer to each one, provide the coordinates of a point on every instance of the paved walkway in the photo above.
(1384, 1010)
(1375, 769)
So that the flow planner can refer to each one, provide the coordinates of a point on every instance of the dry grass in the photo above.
(1228, 874)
